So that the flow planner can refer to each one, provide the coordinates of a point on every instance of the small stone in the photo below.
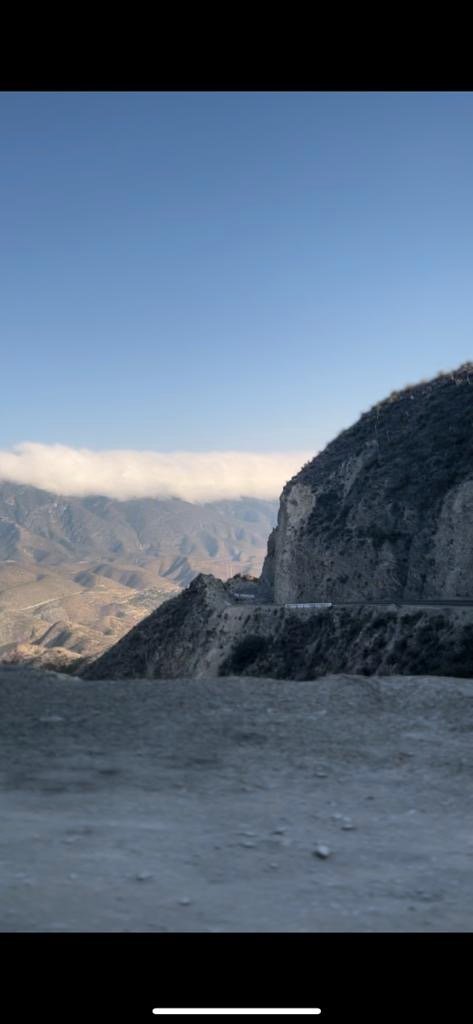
(143, 876)
(279, 831)
(322, 851)
(321, 775)
(347, 825)
(273, 865)
(248, 845)
(185, 901)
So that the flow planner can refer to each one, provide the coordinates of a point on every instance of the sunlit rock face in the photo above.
(386, 510)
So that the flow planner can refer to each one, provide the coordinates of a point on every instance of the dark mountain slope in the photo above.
(386, 510)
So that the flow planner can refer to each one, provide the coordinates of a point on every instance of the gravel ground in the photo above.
(343, 804)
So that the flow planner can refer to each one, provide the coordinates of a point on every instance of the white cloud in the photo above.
(192, 476)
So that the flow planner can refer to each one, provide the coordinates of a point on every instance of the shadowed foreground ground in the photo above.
(199, 805)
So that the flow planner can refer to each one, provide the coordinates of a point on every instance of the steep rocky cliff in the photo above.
(386, 510)
(382, 518)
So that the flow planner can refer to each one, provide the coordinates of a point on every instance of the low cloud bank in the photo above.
(192, 476)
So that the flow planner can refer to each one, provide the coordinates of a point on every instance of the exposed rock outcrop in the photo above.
(386, 510)
(384, 514)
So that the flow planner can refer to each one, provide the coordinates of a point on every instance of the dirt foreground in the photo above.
(230, 805)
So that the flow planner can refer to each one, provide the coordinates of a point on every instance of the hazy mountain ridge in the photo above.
(44, 528)
(94, 566)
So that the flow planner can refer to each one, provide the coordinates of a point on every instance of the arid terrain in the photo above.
(57, 617)
(76, 574)
(233, 804)
(289, 753)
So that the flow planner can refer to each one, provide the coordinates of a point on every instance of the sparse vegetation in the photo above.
(244, 653)
(364, 641)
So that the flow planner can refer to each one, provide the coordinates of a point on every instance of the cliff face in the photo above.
(384, 514)
(386, 510)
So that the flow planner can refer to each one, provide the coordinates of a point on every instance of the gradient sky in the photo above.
(243, 271)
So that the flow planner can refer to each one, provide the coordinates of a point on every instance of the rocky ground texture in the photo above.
(234, 804)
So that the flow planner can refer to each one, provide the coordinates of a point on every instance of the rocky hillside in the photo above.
(78, 573)
(207, 632)
(178, 639)
(382, 518)
(386, 510)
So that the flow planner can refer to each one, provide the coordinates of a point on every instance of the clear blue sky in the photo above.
(227, 270)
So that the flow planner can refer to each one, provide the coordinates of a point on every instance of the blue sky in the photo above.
(245, 271)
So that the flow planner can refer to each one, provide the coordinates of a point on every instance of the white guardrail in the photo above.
(312, 604)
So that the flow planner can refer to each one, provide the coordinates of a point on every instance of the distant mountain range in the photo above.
(92, 567)
(47, 529)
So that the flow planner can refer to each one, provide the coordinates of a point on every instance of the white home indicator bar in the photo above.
(240, 1011)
